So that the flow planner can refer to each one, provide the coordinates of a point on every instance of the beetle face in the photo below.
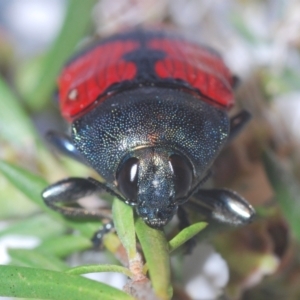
(152, 181)
(154, 145)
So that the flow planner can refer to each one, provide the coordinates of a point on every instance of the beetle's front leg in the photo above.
(63, 143)
(237, 123)
(68, 191)
(97, 238)
(222, 206)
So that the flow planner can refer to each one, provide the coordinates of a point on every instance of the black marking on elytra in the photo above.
(145, 59)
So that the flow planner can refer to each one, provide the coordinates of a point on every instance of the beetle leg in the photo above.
(64, 145)
(237, 123)
(68, 191)
(97, 239)
(235, 81)
(223, 206)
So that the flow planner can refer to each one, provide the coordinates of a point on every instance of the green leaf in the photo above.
(44, 284)
(15, 126)
(17, 130)
(244, 30)
(35, 259)
(77, 21)
(32, 227)
(287, 191)
(32, 185)
(98, 269)
(29, 184)
(20, 206)
(124, 224)
(65, 245)
(156, 250)
(186, 234)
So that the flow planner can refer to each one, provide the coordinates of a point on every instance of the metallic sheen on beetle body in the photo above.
(149, 112)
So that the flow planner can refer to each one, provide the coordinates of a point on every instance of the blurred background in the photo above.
(259, 41)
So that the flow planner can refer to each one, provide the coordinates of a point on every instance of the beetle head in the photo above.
(152, 179)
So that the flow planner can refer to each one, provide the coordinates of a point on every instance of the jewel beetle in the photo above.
(149, 112)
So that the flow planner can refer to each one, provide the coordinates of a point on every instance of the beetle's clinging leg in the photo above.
(235, 81)
(68, 191)
(223, 206)
(64, 145)
(97, 239)
(237, 123)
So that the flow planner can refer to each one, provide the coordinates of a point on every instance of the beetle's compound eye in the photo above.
(127, 178)
(183, 175)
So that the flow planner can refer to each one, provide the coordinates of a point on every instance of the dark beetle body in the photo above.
(151, 118)
(161, 119)
(149, 114)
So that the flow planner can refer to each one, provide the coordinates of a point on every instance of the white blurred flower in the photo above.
(116, 280)
(205, 273)
(287, 108)
(111, 16)
(15, 241)
(33, 24)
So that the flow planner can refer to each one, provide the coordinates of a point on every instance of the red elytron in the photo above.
(89, 76)
(198, 66)
(122, 62)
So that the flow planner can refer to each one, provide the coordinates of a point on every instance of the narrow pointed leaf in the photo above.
(286, 189)
(20, 131)
(44, 284)
(124, 224)
(99, 268)
(65, 245)
(156, 250)
(28, 183)
(77, 21)
(32, 185)
(36, 259)
(186, 234)
(32, 227)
